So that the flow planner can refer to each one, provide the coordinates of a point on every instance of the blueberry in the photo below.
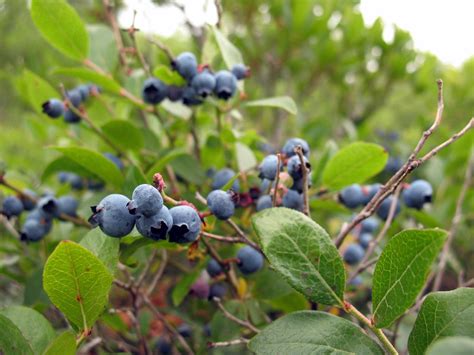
(49, 206)
(204, 83)
(298, 183)
(32, 231)
(28, 203)
(353, 254)
(186, 224)
(68, 205)
(43, 219)
(369, 192)
(201, 288)
(221, 205)
(74, 97)
(76, 182)
(95, 185)
(156, 226)
(369, 225)
(186, 65)
(12, 206)
(266, 185)
(146, 201)
(356, 281)
(63, 177)
(175, 93)
(163, 347)
(268, 167)
(84, 91)
(264, 202)
(112, 216)
(393, 165)
(351, 196)
(190, 97)
(71, 117)
(217, 290)
(365, 239)
(154, 91)
(226, 85)
(294, 200)
(214, 268)
(114, 159)
(240, 71)
(384, 208)
(185, 330)
(417, 194)
(294, 166)
(222, 177)
(290, 145)
(53, 108)
(250, 260)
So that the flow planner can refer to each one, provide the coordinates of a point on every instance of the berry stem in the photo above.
(304, 169)
(277, 180)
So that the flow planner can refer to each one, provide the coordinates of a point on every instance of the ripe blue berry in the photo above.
(190, 97)
(369, 192)
(204, 83)
(186, 224)
(48, 205)
(250, 260)
(28, 203)
(222, 177)
(32, 230)
(71, 117)
(68, 205)
(356, 281)
(74, 97)
(298, 183)
(114, 159)
(264, 202)
(175, 93)
(353, 254)
(185, 330)
(290, 145)
(268, 167)
(112, 216)
(213, 268)
(163, 347)
(240, 71)
(12, 206)
(221, 205)
(95, 185)
(154, 91)
(417, 194)
(217, 290)
(226, 85)
(294, 200)
(84, 90)
(146, 201)
(294, 167)
(384, 208)
(393, 165)
(186, 65)
(44, 220)
(53, 108)
(76, 182)
(351, 196)
(369, 225)
(365, 239)
(157, 226)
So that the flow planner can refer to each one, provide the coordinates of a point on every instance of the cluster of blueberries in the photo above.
(414, 195)
(41, 212)
(55, 108)
(201, 82)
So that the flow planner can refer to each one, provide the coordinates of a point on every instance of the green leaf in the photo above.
(61, 26)
(103, 49)
(177, 109)
(310, 332)
(401, 272)
(124, 134)
(182, 288)
(37, 89)
(188, 168)
(284, 102)
(77, 283)
(130, 245)
(104, 247)
(168, 76)
(12, 342)
(64, 344)
(443, 314)
(37, 331)
(224, 329)
(95, 163)
(165, 160)
(452, 346)
(355, 163)
(303, 253)
(245, 158)
(230, 53)
(65, 164)
(105, 82)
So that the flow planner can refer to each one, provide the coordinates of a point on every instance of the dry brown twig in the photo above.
(221, 344)
(412, 163)
(109, 12)
(230, 316)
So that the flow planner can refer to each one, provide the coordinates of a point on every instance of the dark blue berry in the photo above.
(186, 224)
(264, 202)
(365, 239)
(417, 194)
(213, 268)
(217, 290)
(268, 167)
(222, 177)
(12, 206)
(49, 206)
(146, 201)
(74, 97)
(240, 71)
(28, 203)
(294, 167)
(163, 347)
(290, 145)
(175, 93)
(68, 205)
(53, 108)
(84, 90)
(221, 205)
(71, 117)
(32, 230)
(384, 208)
(353, 254)
(351, 196)
(294, 200)
(204, 83)
(154, 91)
(393, 165)
(114, 159)
(226, 85)
(186, 65)
(185, 330)
(190, 97)
(112, 216)
(298, 183)
(157, 226)
(250, 260)
(369, 192)
(369, 225)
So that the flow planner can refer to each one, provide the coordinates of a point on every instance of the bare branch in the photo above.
(109, 12)
(277, 180)
(159, 273)
(305, 170)
(221, 344)
(230, 316)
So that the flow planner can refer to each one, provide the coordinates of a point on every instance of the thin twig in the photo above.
(277, 180)
(144, 272)
(221, 238)
(86, 348)
(304, 169)
(163, 48)
(9, 227)
(159, 273)
(454, 224)
(131, 32)
(117, 35)
(242, 235)
(194, 135)
(221, 344)
(230, 316)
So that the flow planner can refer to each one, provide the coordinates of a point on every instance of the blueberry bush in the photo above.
(285, 181)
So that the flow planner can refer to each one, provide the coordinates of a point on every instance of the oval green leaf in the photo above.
(65, 164)
(11, 340)
(355, 163)
(64, 344)
(124, 134)
(187, 167)
(245, 158)
(168, 76)
(61, 26)
(94, 162)
(443, 314)
(452, 346)
(105, 82)
(284, 102)
(35, 328)
(230, 53)
(37, 90)
(104, 247)
(310, 332)
(401, 272)
(77, 283)
(303, 253)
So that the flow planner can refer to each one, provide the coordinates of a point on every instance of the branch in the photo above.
(117, 35)
(163, 48)
(159, 273)
(131, 32)
(230, 316)
(220, 344)
(242, 235)
(299, 152)
(277, 180)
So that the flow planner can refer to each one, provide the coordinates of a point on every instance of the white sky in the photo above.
(442, 27)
